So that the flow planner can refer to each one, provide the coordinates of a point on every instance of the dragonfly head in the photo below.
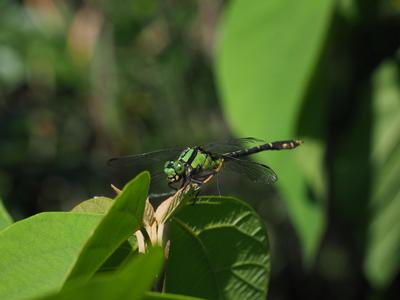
(174, 170)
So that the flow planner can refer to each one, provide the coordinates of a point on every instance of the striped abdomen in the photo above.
(280, 145)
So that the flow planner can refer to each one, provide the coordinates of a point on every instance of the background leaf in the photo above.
(5, 218)
(95, 205)
(38, 253)
(264, 68)
(228, 251)
(131, 282)
(122, 219)
(383, 246)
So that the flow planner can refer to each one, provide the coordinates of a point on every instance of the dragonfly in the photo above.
(196, 165)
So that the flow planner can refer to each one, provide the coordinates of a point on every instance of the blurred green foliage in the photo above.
(81, 81)
(265, 77)
(383, 232)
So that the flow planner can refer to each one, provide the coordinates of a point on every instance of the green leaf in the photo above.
(122, 219)
(382, 261)
(264, 66)
(98, 205)
(120, 255)
(218, 249)
(5, 218)
(38, 253)
(164, 296)
(101, 205)
(135, 278)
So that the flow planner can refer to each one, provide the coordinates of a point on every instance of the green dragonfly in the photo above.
(196, 165)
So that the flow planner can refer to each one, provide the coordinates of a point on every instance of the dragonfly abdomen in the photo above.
(279, 145)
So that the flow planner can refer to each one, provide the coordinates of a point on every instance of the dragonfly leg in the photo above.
(171, 186)
(185, 182)
(197, 181)
(205, 177)
(212, 173)
(195, 197)
(198, 185)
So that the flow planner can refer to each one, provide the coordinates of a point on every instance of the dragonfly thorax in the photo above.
(191, 163)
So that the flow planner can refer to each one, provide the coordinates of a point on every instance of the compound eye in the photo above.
(168, 164)
(179, 167)
(168, 168)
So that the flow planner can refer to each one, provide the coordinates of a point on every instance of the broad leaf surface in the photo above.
(122, 219)
(38, 253)
(219, 250)
(264, 66)
(383, 249)
(5, 218)
(135, 278)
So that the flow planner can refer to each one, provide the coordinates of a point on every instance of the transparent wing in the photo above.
(132, 160)
(126, 167)
(161, 156)
(232, 145)
(152, 161)
(172, 153)
(159, 185)
(254, 171)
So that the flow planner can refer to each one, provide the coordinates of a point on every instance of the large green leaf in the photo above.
(5, 218)
(135, 278)
(38, 253)
(264, 66)
(383, 260)
(219, 250)
(122, 219)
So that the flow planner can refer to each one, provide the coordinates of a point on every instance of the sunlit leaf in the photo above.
(38, 253)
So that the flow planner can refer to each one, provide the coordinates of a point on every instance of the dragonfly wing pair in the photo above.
(154, 162)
